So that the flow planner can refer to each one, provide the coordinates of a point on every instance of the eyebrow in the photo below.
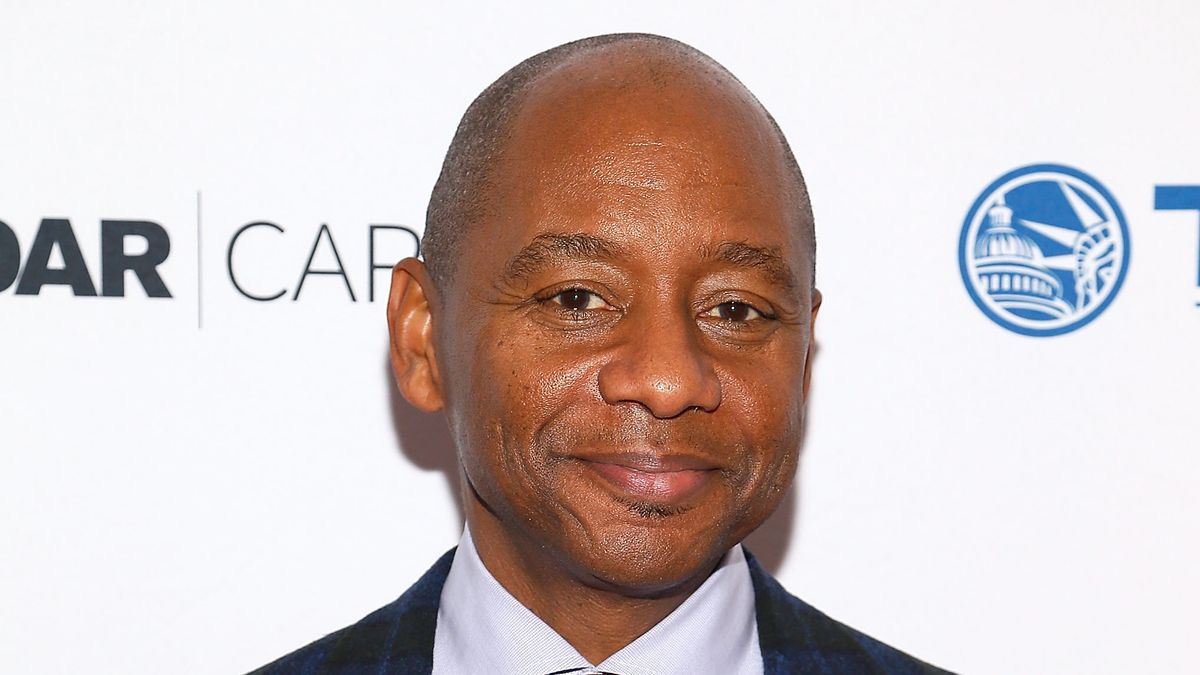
(546, 249)
(765, 258)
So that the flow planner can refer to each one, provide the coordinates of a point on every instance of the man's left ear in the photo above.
(812, 340)
(410, 326)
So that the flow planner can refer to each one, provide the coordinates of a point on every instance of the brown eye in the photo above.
(578, 300)
(734, 311)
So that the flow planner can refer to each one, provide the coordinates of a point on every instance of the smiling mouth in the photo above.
(666, 481)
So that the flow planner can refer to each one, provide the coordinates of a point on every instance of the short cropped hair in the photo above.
(461, 195)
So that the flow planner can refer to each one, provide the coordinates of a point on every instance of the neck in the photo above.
(596, 621)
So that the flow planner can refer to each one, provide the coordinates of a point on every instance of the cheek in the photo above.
(768, 409)
(523, 381)
(519, 384)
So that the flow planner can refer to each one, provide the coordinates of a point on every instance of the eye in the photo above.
(578, 300)
(733, 310)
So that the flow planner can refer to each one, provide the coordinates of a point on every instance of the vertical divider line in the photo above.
(199, 268)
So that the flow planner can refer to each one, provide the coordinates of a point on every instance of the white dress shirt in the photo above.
(481, 628)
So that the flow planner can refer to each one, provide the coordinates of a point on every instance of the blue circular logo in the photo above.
(1044, 250)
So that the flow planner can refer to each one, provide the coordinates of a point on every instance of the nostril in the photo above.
(665, 393)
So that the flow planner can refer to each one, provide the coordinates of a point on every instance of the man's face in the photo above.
(624, 346)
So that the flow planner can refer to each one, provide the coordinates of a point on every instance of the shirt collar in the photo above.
(482, 628)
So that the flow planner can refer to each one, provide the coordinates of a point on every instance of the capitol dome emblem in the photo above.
(1044, 250)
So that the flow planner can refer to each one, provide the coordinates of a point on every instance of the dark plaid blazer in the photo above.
(398, 639)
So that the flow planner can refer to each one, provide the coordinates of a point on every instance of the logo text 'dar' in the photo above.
(57, 235)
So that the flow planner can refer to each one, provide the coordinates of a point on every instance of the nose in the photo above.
(661, 366)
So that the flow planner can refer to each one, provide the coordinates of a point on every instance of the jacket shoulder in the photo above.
(795, 637)
(397, 638)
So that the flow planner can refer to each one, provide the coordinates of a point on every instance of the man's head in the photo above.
(617, 312)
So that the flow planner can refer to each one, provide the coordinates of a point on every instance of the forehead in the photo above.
(644, 147)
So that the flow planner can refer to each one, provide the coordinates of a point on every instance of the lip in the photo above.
(666, 479)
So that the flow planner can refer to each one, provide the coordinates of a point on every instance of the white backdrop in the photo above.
(198, 484)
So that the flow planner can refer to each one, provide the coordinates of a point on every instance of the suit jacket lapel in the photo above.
(401, 634)
(788, 638)
(797, 638)
(394, 640)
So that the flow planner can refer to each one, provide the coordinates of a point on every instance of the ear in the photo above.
(812, 340)
(410, 325)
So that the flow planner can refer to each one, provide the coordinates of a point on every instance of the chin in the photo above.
(649, 561)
